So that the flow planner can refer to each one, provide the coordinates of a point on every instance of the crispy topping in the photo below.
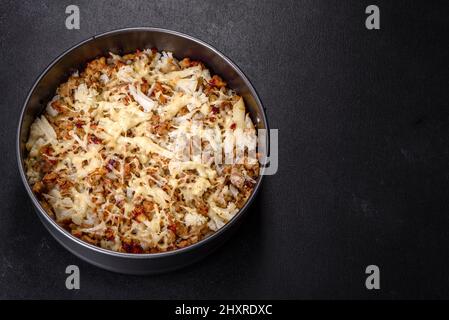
(105, 158)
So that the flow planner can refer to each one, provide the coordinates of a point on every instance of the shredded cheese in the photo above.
(128, 153)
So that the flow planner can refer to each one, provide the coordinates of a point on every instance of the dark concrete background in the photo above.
(364, 149)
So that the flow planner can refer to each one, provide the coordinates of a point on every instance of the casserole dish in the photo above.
(120, 42)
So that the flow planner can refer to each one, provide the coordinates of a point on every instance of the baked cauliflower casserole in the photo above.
(114, 158)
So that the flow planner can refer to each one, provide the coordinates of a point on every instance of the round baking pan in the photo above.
(121, 42)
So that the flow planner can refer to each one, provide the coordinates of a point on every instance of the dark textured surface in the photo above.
(364, 149)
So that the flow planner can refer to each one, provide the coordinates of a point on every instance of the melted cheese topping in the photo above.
(118, 157)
